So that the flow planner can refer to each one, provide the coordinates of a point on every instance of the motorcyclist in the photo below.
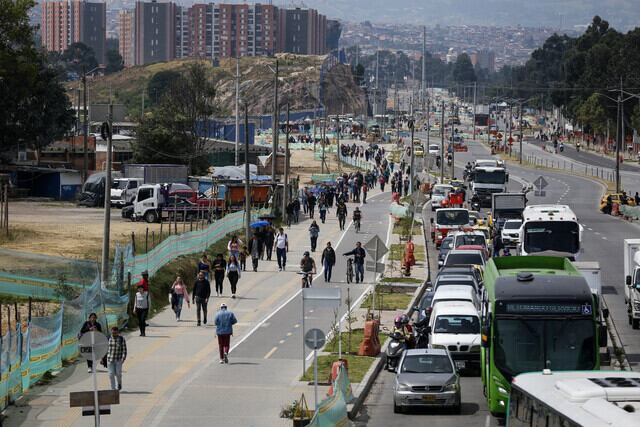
(578, 146)
(401, 326)
(341, 213)
(561, 147)
(307, 266)
(475, 201)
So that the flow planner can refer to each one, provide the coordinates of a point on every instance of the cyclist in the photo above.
(308, 267)
(357, 216)
(358, 260)
(341, 213)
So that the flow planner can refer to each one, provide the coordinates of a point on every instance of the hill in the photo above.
(299, 81)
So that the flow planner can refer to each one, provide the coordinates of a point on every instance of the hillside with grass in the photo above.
(299, 84)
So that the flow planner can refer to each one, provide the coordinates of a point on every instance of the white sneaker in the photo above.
(89, 370)
(221, 362)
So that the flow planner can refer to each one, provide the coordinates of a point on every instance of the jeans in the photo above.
(269, 247)
(327, 271)
(312, 210)
(341, 221)
(359, 272)
(201, 304)
(323, 215)
(254, 263)
(142, 319)
(233, 279)
(115, 372)
(281, 254)
(224, 341)
(314, 242)
(219, 277)
(178, 307)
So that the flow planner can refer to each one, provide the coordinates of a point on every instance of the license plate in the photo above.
(429, 397)
(460, 364)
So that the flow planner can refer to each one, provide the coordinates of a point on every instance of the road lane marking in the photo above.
(289, 334)
(297, 325)
(281, 342)
(270, 353)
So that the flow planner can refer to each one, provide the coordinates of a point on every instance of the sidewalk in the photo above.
(174, 354)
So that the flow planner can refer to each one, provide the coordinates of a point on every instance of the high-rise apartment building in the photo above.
(244, 30)
(302, 31)
(126, 28)
(155, 32)
(66, 22)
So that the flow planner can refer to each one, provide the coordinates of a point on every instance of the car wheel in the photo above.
(150, 217)
(397, 409)
(457, 409)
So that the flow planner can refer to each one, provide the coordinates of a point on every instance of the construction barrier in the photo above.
(332, 411)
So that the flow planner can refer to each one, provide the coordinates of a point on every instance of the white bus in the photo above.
(550, 229)
(575, 399)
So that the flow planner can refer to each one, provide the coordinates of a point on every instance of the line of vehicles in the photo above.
(532, 325)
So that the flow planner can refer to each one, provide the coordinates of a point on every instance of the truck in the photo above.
(156, 173)
(123, 191)
(446, 220)
(506, 206)
(152, 204)
(550, 229)
(487, 180)
(632, 280)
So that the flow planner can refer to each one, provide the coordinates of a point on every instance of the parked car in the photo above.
(456, 327)
(511, 232)
(423, 309)
(426, 377)
(482, 248)
(463, 270)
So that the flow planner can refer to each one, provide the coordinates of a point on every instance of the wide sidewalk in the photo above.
(176, 354)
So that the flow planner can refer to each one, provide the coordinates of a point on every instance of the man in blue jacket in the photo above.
(224, 321)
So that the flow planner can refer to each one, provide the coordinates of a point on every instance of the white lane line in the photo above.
(281, 342)
(289, 334)
(604, 238)
(589, 228)
(270, 353)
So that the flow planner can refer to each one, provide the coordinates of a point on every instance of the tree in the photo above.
(592, 114)
(635, 118)
(78, 57)
(160, 84)
(463, 70)
(114, 62)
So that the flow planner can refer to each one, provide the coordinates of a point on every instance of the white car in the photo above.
(456, 327)
(438, 194)
(434, 149)
(511, 232)
(455, 293)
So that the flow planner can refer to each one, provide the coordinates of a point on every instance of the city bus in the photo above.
(577, 398)
(538, 313)
(550, 229)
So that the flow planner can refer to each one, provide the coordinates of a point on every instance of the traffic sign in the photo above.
(314, 339)
(376, 248)
(540, 193)
(93, 343)
(499, 135)
(540, 183)
(374, 266)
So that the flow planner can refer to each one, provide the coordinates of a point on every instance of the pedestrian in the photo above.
(358, 261)
(144, 281)
(290, 213)
(219, 267)
(234, 246)
(311, 201)
(179, 294)
(254, 251)
(328, 261)
(204, 265)
(296, 210)
(116, 355)
(322, 208)
(91, 324)
(233, 273)
(200, 297)
(637, 199)
(365, 190)
(225, 319)
(141, 309)
(314, 232)
(268, 241)
(282, 247)
(243, 257)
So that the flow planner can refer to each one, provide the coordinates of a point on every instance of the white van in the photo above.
(455, 326)
(455, 293)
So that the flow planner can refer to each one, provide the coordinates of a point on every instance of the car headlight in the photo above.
(451, 387)
(437, 346)
(475, 349)
(402, 387)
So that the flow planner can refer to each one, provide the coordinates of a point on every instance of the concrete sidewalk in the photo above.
(176, 354)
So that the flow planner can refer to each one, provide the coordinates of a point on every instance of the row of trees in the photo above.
(78, 57)
(34, 107)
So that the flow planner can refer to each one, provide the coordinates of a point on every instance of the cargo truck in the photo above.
(486, 181)
(632, 280)
(505, 206)
(157, 173)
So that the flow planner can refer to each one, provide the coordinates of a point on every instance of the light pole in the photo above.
(442, 146)
(247, 177)
(85, 125)
(285, 188)
(412, 158)
(107, 199)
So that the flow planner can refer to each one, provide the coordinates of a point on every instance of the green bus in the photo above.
(538, 313)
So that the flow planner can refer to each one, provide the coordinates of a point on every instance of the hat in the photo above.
(145, 273)
(223, 305)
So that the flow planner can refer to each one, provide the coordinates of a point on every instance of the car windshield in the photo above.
(559, 236)
(452, 217)
(512, 225)
(426, 300)
(470, 239)
(464, 259)
(446, 245)
(426, 364)
(118, 185)
(486, 177)
(527, 345)
(463, 282)
(441, 191)
(434, 148)
(452, 324)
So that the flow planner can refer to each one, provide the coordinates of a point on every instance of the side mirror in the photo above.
(627, 280)
(603, 336)
(428, 329)
(431, 220)
(605, 313)
(484, 335)
(416, 308)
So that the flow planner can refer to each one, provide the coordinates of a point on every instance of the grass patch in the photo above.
(397, 252)
(356, 338)
(403, 226)
(358, 367)
(17, 234)
(390, 301)
(401, 280)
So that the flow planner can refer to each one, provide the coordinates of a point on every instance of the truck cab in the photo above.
(147, 203)
(487, 180)
(123, 191)
(446, 220)
(552, 229)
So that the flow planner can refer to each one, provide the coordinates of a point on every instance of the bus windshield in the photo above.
(528, 344)
(559, 236)
(452, 217)
(486, 177)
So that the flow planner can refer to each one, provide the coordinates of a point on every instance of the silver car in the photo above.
(426, 377)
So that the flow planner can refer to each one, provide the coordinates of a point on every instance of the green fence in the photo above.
(31, 350)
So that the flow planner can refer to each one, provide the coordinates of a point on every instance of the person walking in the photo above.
(322, 209)
(116, 355)
(179, 294)
(290, 213)
(204, 265)
(254, 251)
(243, 257)
(141, 309)
(365, 190)
(314, 232)
(200, 297)
(234, 246)
(219, 267)
(269, 236)
(91, 324)
(224, 321)
(358, 260)
(282, 247)
(328, 260)
(311, 201)
(233, 273)
(341, 213)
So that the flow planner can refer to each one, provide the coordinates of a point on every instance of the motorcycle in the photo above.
(475, 206)
(394, 350)
(561, 148)
(578, 147)
(421, 333)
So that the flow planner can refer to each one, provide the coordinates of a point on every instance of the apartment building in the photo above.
(155, 32)
(66, 22)
(126, 34)
(302, 31)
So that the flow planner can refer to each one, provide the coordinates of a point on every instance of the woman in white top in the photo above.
(179, 294)
(282, 247)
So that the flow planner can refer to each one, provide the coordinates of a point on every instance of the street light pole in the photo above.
(107, 200)
(412, 158)
(521, 136)
(237, 145)
(247, 177)
(276, 124)
(619, 137)
(85, 127)
(442, 146)
(285, 188)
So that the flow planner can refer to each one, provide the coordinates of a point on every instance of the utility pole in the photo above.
(510, 125)
(323, 142)
(424, 71)
(338, 143)
(276, 124)
(285, 188)
(247, 177)
(521, 135)
(237, 146)
(475, 88)
(107, 199)
(451, 143)
(442, 145)
(619, 138)
(428, 125)
(412, 159)
(377, 83)
(85, 128)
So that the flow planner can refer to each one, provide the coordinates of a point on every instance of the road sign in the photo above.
(85, 398)
(314, 339)
(374, 266)
(95, 343)
(540, 183)
(540, 193)
(376, 248)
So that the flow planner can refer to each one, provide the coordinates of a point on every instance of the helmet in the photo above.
(398, 321)
(306, 253)
(404, 319)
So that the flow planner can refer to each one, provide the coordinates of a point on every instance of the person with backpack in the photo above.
(314, 232)
(282, 247)
(224, 321)
(141, 309)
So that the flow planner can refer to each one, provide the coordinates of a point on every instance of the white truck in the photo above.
(123, 191)
(487, 180)
(632, 280)
(550, 230)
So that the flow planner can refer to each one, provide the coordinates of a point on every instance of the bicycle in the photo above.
(307, 278)
(349, 270)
